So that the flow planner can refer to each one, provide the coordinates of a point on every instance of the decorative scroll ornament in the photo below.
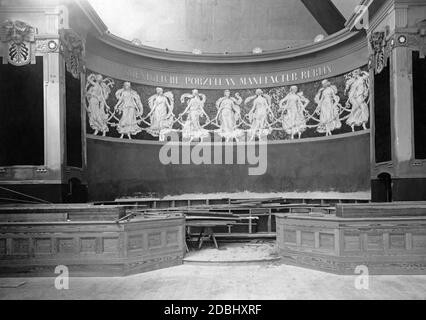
(422, 47)
(421, 38)
(20, 38)
(379, 57)
(72, 48)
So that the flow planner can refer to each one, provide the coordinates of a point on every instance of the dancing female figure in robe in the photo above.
(357, 89)
(97, 93)
(293, 112)
(161, 114)
(192, 129)
(228, 114)
(130, 107)
(328, 108)
(259, 114)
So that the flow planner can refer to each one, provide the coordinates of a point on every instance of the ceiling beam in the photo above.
(327, 15)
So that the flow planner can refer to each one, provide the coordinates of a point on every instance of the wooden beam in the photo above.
(327, 15)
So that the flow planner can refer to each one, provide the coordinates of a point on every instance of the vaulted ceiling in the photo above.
(326, 14)
(223, 25)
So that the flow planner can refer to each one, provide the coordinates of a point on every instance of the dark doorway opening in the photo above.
(384, 188)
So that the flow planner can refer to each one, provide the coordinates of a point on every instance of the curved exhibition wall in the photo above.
(339, 164)
(313, 141)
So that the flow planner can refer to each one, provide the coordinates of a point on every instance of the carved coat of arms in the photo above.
(19, 36)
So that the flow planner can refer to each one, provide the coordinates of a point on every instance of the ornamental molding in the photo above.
(44, 46)
(419, 39)
(407, 40)
(339, 39)
(381, 51)
(412, 38)
(73, 50)
(19, 40)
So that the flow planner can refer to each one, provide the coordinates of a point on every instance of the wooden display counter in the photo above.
(89, 248)
(386, 244)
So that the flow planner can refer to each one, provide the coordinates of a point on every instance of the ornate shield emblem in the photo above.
(19, 37)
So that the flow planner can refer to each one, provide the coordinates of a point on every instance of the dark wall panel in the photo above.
(73, 123)
(22, 114)
(339, 164)
(409, 189)
(419, 91)
(383, 139)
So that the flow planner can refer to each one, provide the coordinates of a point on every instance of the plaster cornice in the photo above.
(354, 45)
(127, 46)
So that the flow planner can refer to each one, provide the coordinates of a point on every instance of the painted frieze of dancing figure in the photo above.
(228, 115)
(97, 93)
(130, 109)
(161, 114)
(192, 128)
(329, 108)
(260, 115)
(293, 108)
(357, 90)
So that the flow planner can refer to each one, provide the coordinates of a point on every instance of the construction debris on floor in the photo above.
(253, 251)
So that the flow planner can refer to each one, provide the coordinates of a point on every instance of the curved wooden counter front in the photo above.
(87, 248)
(388, 244)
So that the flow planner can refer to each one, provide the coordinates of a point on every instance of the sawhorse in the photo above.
(207, 232)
